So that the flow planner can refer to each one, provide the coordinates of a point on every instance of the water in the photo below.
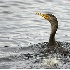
(21, 27)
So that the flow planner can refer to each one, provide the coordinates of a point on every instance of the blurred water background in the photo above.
(21, 27)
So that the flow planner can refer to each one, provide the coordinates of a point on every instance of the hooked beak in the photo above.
(43, 15)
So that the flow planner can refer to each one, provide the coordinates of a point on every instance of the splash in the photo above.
(50, 61)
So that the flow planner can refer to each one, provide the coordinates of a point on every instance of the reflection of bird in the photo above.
(52, 44)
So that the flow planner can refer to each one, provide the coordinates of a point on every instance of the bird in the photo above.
(52, 44)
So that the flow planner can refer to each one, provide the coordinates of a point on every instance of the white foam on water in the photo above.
(51, 61)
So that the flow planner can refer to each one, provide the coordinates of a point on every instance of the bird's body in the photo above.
(52, 44)
(54, 27)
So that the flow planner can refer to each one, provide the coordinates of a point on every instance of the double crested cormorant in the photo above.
(54, 26)
(52, 44)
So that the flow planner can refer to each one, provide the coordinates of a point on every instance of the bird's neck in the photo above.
(52, 41)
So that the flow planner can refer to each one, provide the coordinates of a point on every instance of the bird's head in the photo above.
(51, 18)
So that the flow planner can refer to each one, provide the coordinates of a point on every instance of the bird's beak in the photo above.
(43, 15)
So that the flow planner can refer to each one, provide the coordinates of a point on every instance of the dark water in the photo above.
(21, 27)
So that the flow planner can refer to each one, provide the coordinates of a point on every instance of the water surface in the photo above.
(21, 27)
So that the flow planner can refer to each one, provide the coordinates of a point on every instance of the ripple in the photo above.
(1, 1)
(5, 59)
(6, 12)
(5, 6)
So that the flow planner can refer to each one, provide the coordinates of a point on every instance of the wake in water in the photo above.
(33, 57)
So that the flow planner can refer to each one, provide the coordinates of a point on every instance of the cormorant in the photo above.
(52, 44)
